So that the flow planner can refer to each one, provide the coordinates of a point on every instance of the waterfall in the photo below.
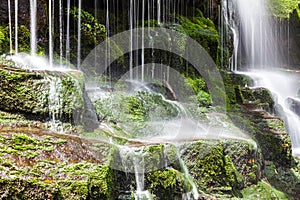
(10, 27)
(257, 39)
(158, 12)
(143, 40)
(257, 34)
(16, 26)
(33, 37)
(55, 105)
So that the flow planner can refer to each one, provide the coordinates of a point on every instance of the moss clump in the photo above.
(167, 184)
(92, 32)
(26, 146)
(203, 98)
(131, 112)
(38, 166)
(247, 161)
(97, 185)
(4, 39)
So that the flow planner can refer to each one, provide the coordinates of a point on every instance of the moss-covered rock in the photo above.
(41, 94)
(37, 164)
(217, 169)
(284, 179)
(167, 183)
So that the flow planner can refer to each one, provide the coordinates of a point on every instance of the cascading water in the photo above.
(257, 49)
(133, 161)
(259, 45)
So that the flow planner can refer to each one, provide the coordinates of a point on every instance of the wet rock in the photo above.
(294, 105)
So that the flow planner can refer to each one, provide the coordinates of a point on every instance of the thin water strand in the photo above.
(79, 35)
(131, 41)
(16, 26)
(60, 32)
(33, 37)
(50, 34)
(68, 32)
(10, 27)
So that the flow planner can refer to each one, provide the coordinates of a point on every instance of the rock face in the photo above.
(279, 167)
(24, 12)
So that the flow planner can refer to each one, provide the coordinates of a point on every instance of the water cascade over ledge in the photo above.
(257, 53)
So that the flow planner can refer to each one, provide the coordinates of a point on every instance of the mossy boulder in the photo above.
(41, 94)
(218, 169)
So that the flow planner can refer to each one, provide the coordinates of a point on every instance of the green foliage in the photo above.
(202, 97)
(4, 39)
(92, 32)
(167, 184)
(202, 30)
(90, 27)
(283, 8)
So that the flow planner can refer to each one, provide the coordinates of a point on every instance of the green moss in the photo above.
(26, 146)
(4, 39)
(29, 93)
(213, 172)
(284, 179)
(92, 32)
(74, 190)
(203, 98)
(262, 190)
(131, 112)
(167, 184)
(202, 30)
